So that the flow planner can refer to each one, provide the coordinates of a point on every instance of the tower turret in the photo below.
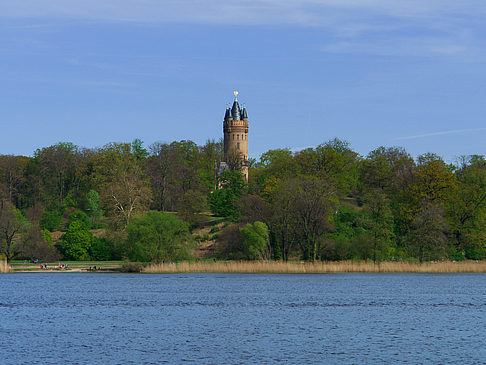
(228, 115)
(235, 110)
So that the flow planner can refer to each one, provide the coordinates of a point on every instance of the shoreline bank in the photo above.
(279, 267)
(274, 267)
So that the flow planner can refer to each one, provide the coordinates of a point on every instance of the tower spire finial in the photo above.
(236, 94)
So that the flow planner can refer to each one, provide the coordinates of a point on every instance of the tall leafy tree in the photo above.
(76, 242)
(427, 237)
(231, 186)
(334, 161)
(314, 202)
(466, 208)
(56, 166)
(174, 169)
(12, 175)
(378, 222)
(284, 222)
(11, 224)
(256, 241)
(126, 190)
(138, 150)
(157, 237)
(93, 207)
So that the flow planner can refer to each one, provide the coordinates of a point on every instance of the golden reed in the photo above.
(293, 267)
(4, 268)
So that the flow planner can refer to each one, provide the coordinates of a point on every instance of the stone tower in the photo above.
(235, 129)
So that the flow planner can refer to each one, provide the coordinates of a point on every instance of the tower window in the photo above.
(237, 145)
(238, 137)
(233, 137)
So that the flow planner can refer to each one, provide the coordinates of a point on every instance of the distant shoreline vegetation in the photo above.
(259, 267)
(167, 203)
(317, 267)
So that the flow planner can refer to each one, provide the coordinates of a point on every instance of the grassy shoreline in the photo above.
(4, 268)
(292, 267)
(73, 266)
(261, 267)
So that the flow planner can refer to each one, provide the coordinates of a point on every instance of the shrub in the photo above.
(80, 217)
(130, 267)
(100, 250)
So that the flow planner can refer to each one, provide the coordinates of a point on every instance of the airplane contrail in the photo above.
(454, 131)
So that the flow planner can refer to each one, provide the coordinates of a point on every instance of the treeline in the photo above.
(322, 203)
(78, 190)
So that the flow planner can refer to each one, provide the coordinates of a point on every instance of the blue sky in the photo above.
(372, 72)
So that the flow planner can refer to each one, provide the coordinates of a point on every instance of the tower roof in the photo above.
(235, 110)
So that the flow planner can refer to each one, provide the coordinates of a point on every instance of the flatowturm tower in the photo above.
(235, 129)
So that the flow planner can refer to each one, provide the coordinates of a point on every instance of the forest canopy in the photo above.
(322, 203)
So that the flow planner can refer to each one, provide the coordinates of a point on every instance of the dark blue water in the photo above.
(233, 319)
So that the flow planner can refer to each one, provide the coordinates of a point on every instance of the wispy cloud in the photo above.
(393, 45)
(433, 27)
(319, 12)
(441, 133)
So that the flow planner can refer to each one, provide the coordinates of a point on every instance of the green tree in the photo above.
(389, 169)
(210, 156)
(256, 241)
(81, 217)
(427, 236)
(314, 204)
(192, 203)
(57, 171)
(37, 244)
(100, 249)
(222, 201)
(138, 150)
(12, 175)
(11, 224)
(433, 179)
(76, 242)
(283, 220)
(378, 223)
(93, 207)
(126, 189)
(51, 220)
(174, 169)
(433, 182)
(466, 208)
(157, 237)
(334, 161)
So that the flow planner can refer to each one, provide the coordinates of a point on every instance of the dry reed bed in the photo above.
(4, 268)
(316, 267)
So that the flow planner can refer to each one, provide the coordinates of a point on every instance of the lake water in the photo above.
(233, 319)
